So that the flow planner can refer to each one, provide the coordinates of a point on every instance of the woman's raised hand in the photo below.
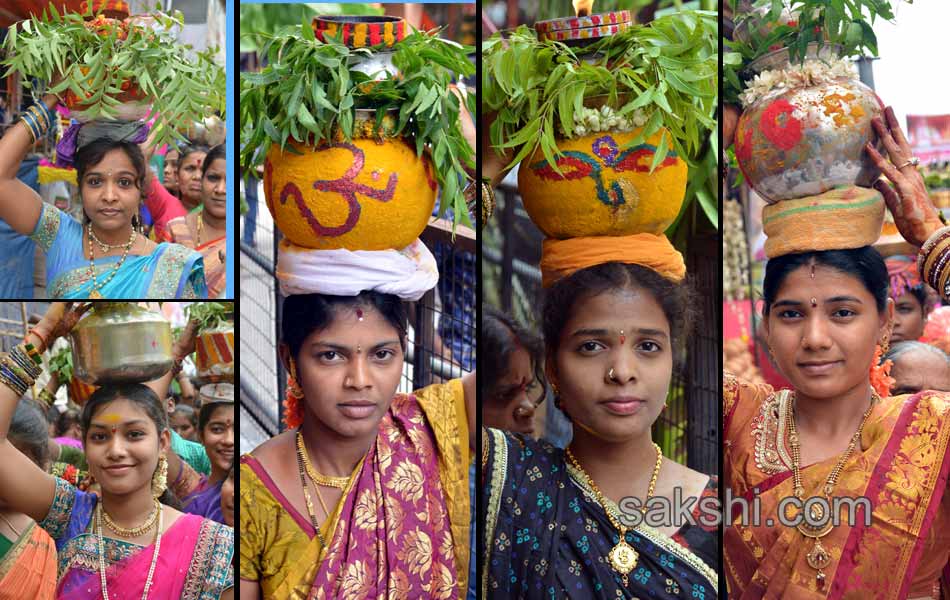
(914, 213)
(60, 319)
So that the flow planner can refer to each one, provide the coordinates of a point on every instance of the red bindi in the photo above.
(359, 314)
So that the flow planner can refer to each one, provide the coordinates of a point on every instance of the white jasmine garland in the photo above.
(812, 72)
(589, 121)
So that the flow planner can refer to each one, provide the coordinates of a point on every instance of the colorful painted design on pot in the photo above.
(367, 194)
(348, 188)
(804, 141)
(604, 188)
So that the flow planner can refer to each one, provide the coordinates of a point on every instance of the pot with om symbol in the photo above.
(605, 186)
(807, 136)
(371, 193)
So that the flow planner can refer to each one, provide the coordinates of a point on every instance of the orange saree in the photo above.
(177, 231)
(29, 568)
(901, 467)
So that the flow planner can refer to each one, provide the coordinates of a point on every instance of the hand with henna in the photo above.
(914, 213)
(58, 321)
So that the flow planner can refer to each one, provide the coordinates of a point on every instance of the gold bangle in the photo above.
(935, 255)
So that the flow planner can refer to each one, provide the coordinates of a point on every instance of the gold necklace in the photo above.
(135, 531)
(102, 562)
(92, 265)
(318, 478)
(623, 558)
(819, 558)
(198, 236)
(306, 495)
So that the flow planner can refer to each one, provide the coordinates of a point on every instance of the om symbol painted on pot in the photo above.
(357, 195)
(348, 188)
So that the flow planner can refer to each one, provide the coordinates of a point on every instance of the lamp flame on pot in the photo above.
(582, 8)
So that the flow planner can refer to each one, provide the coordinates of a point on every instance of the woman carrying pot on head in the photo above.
(838, 433)
(105, 256)
(124, 533)
(611, 332)
(206, 230)
(368, 492)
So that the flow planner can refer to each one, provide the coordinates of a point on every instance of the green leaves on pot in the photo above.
(210, 314)
(794, 24)
(61, 364)
(308, 93)
(94, 61)
(667, 69)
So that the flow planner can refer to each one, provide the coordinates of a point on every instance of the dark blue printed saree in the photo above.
(546, 537)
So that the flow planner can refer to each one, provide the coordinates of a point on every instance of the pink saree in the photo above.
(188, 566)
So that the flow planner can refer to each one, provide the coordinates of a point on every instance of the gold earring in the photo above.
(160, 477)
(293, 384)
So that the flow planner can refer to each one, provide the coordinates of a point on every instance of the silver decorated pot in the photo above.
(119, 342)
(804, 141)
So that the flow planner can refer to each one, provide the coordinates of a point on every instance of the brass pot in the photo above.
(119, 342)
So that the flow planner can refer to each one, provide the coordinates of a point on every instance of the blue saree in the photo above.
(170, 271)
(547, 537)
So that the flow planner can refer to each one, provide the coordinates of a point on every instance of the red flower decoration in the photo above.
(779, 126)
(880, 374)
(293, 411)
(70, 474)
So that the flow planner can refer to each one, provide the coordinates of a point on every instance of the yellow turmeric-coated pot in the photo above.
(368, 194)
(605, 188)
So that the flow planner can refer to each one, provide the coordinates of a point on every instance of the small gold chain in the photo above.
(318, 478)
